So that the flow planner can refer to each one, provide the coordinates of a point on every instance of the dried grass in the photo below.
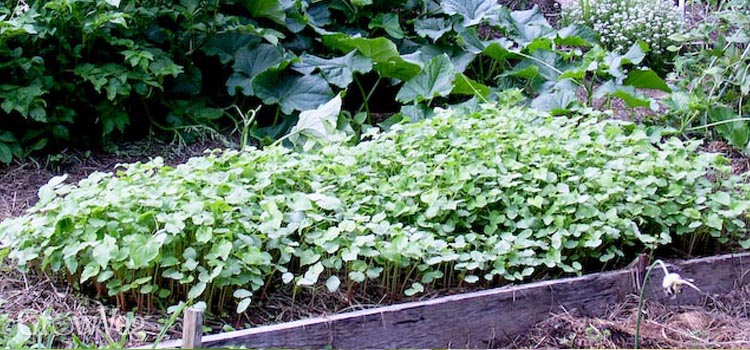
(719, 322)
(29, 297)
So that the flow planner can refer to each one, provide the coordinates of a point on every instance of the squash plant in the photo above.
(110, 66)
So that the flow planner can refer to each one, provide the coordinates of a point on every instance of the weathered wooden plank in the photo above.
(192, 329)
(713, 275)
(479, 319)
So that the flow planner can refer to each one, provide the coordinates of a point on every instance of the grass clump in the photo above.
(495, 195)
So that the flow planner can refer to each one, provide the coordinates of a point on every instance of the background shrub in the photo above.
(85, 73)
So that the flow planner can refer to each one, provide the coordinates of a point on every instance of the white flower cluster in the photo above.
(21, 8)
(622, 22)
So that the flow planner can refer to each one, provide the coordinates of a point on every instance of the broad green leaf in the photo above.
(6, 155)
(414, 289)
(361, 3)
(636, 53)
(225, 45)
(377, 49)
(256, 60)
(89, 271)
(243, 304)
(292, 92)
(500, 50)
(7, 137)
(249, 63)
(463, 85)
(338, 71)
(19, 336)
(471, 11)
(333, 283)
(324, 201)
(308, 257)
(196, 290)
(105, 275)
(626, 93)
(469, 40)
(318, 126)
(142, 251)
(204, 234)
(723, 198)
(432, 27)
(287, 277)
(47, 191)
(312, 274)
(388, 22)
(558, 100)
(736, 133)
(415, 112)
(646, 79)
(105, 251)
(576, 36)
(221, 250)
(714, 221)
(530, 25)
(242, 293)
(383, 52)
(271, 9)
(435, 79)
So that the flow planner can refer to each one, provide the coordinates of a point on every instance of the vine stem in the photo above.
(718, 123)
(639, 317)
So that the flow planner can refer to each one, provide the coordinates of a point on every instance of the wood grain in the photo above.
(192, 329)
(480, 319)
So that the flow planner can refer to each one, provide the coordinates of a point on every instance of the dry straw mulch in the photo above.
(720, 322)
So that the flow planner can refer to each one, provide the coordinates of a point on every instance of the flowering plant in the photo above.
(621, 23)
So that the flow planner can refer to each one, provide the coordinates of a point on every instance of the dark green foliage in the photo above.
(83, 72)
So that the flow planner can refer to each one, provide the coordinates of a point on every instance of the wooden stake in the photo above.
(192, 329)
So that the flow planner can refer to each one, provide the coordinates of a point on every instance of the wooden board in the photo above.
(480, 319)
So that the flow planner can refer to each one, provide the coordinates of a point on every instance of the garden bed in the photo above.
(280, 304)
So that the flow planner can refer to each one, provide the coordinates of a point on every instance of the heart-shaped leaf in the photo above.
(628, 94)
(292, 92)
(389, 23)
(471, 11)
(249, 62)
(464, 85)
(646, 79)
(383, 52)
(432, 27)
(271, 9)
(333, 283)
(338, 71)
(435, 79)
